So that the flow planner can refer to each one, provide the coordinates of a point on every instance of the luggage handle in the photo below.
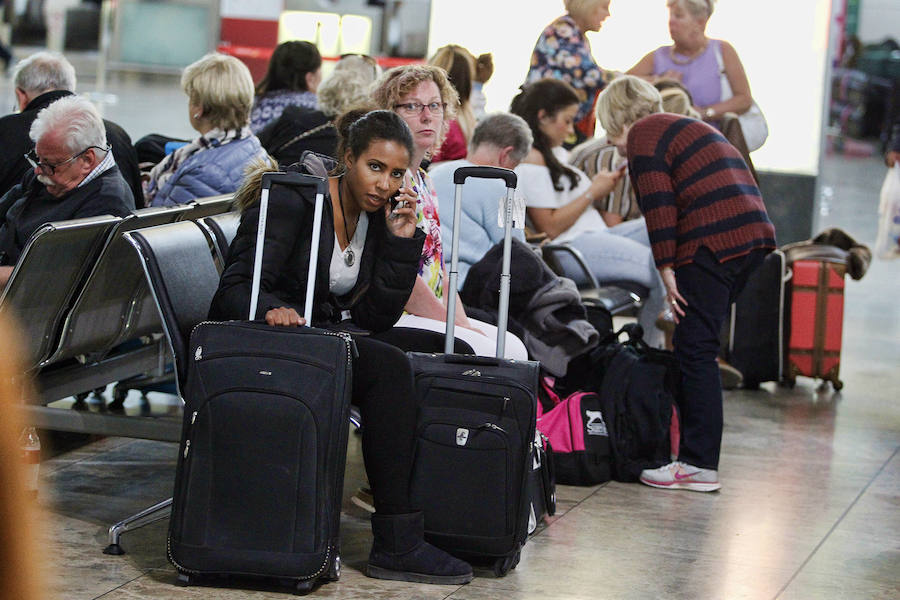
(459, 178)
(297, 180)
(461, 174)
(468, 359)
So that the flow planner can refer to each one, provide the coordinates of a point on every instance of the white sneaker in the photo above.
(682, 476)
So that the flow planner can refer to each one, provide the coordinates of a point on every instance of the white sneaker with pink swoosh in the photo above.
(682, 476)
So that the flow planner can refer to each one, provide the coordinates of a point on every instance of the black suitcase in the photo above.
(261, 465)
(476, 431)
(755, 334)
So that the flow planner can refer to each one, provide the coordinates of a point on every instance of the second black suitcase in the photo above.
(264, 440)
(476, 432)
(755, 336)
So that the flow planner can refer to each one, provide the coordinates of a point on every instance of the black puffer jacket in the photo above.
(386, 276)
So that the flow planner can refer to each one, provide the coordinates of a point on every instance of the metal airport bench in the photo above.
(178, 263)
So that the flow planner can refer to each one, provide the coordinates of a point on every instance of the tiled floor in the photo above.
(810, 506)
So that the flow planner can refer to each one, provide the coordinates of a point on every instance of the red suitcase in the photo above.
(817, 319)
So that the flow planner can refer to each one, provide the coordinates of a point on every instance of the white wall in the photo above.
(782, 44)
(879, 19)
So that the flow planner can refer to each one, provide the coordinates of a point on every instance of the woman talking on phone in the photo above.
(374, 252)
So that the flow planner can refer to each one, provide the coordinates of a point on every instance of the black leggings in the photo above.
(383, 391)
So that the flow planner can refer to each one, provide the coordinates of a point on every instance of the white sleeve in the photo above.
(536, 187)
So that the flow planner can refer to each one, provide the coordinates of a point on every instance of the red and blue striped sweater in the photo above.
(695, 190)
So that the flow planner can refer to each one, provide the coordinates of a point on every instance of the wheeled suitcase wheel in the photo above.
(502, 566)
(334, 572)
(304, 587)
(837, 384)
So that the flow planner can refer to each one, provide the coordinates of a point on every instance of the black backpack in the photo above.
(638, 386)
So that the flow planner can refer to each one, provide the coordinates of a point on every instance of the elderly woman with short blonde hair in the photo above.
(220, 95)
(709, 230)
(563, 52)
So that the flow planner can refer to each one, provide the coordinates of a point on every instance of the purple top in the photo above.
(700, 76)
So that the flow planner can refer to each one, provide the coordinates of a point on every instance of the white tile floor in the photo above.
(809, 507)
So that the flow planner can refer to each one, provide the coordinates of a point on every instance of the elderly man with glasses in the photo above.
(40, 80)
(73, 175)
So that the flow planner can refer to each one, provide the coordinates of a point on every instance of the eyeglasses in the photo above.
(49, 168)
(412, 109)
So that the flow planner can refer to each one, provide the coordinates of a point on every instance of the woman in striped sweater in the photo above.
(708, 230)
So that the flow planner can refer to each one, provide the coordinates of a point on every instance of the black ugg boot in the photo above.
(400, 552)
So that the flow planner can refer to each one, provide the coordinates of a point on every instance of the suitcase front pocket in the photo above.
(251, 475)
(462, 474)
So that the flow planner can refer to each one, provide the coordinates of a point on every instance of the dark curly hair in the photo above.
(551, 96)
(359, 127)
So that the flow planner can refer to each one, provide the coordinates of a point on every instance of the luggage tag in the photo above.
(518, 211)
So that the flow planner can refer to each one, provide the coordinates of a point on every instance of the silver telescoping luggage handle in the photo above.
(298, 180)
(459, 178)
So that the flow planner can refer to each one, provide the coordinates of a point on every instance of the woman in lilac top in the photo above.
(695, 59)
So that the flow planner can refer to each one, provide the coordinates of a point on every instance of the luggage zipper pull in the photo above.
(351, 345)
(193, 417)
(503, 407)
(492, 426)
(187, 447)
(198, 354)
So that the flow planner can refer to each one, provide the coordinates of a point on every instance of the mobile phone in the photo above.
(395, 200)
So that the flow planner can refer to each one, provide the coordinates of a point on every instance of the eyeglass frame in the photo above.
(416, 112)
(50, 169)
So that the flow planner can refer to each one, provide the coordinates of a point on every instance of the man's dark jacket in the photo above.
(27, 206)
(15, 142)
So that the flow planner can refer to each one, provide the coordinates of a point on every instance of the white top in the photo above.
(537, 188)
(342, 278)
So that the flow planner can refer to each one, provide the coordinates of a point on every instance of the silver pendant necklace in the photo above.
(349, 256)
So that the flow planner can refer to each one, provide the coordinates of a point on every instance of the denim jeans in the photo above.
(709, 287)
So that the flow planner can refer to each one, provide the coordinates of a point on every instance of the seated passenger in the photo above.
(373, 254)
(299, 128)
(292, 78)
(560, 202)
(73, 176)
(40, 79)
(220, 90)
(424, 98)
(460, 66)
(499, 140)
(598, 154)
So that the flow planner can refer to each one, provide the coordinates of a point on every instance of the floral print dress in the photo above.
(563, 52)
(431, 264)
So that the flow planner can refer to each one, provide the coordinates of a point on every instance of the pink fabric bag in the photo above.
(579, 438)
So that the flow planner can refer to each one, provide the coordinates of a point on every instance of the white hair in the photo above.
(44, 72)
(699, 9)
(347, 86)
(75, 119)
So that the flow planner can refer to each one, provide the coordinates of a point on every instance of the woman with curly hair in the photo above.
(423, 96)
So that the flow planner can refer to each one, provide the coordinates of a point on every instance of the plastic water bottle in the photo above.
(30, 445)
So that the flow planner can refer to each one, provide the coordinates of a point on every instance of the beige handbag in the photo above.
(753, 122)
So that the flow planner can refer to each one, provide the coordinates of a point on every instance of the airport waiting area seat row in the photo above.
(88, 317)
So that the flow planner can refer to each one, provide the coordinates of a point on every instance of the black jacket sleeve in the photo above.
(394, 273)
(232, 299)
